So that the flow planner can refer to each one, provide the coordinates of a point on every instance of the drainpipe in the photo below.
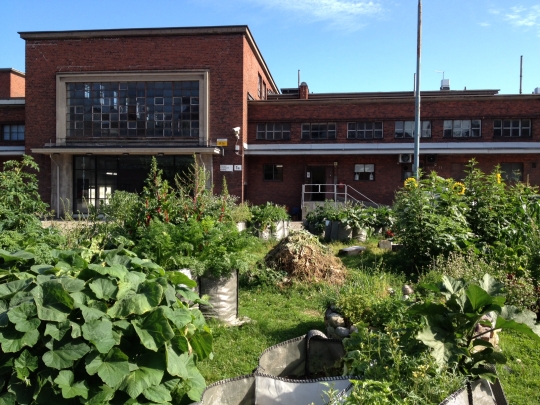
(57, 188)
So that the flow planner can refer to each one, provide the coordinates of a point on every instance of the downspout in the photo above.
(57, 188)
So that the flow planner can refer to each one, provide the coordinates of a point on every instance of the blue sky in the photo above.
(339, 45)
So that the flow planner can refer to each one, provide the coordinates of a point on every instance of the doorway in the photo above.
(319, 177)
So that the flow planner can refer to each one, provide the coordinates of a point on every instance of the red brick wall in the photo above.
(220, 54)
(388, 174)
(11, 84)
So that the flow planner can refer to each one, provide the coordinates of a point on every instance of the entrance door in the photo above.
(319, 177)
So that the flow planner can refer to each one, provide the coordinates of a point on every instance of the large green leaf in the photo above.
(42, 269)
(95, 310)
(525, 316)
(130, 283)
(445, 348)
(176, 364)
(202, 344)
(195, 380)
(7, 290)
(71, 285)
(157, 393)
(99, 395)
(100, 334)
(70, 388)
(12, 340)
(104, 288)
(149, 372)
(64, 354)
(478, 297)
(7, 399)
(149, 296)
(154, 330)
(177, 277)
(53, 302)
(116, 270)
(23, 316)
(180, 317)
(57, 330)
(25, 364)
(491, 286)
(21, 255)
(111, 368)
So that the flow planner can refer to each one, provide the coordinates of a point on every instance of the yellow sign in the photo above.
(222, 142)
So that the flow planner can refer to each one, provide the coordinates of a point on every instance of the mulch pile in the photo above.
(304, 258)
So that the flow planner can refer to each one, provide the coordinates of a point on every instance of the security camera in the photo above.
(236, 132)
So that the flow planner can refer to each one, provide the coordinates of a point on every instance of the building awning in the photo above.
(66, 150)
(11, 150)
(443, 148)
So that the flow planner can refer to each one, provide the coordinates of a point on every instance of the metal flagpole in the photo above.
(417, 124)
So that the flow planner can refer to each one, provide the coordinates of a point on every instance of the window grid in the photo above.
(512, 171)
(134, 109)
(319, 131)
(512, 128)
(365, 130)
(273, 131)
(13, 132)
(462, 128)
(273, 172)
(405, 129)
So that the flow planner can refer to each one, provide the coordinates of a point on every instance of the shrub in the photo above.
(102, 329)
(266, 215)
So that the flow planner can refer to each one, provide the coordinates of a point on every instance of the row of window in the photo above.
(402, 129)
(366, 171)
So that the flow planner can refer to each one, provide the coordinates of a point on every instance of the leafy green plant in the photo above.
(322, 213)
(266, 216)
(457, 324)
(98, 329)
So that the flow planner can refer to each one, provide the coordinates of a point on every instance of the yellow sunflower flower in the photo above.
(459, 188)
(410, 183)
(498, 175)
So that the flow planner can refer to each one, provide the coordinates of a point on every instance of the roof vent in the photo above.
(445, 84)
(536, 91)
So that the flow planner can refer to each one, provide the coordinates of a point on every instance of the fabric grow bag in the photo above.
(284, 375)
(223, 297)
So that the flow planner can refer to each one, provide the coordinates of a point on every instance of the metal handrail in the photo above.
(328, 189)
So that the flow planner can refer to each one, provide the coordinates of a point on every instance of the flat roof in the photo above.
(11, 70)
(170, 31)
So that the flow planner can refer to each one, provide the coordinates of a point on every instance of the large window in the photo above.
(319, 131)
(365, 130)
(273, 172)
(405, 129)
(97, 177)
(133, 109)
(273, 131)
(512, 171)
(13, 132)
(512, 128)
(364, 171)
(462, 128)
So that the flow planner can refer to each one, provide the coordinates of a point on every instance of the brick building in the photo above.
(100, 103)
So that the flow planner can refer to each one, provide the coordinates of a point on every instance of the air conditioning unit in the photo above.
(405, 158)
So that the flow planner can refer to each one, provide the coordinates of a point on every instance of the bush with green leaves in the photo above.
(265, 216)
(106, 328)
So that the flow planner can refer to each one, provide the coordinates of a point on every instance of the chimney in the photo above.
(11, 83)
(303, 91)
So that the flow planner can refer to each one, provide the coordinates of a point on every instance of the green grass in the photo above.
(520, 376)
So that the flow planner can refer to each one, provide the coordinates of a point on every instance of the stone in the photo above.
(407, 289)
(353, 329)
(352, 250)
(335, 320)
(385, 244)
(342, 332)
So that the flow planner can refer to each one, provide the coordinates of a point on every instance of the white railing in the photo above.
(336, 192)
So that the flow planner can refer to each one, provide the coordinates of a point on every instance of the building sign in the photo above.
(226, 168)
(238, 168)
(222, 142)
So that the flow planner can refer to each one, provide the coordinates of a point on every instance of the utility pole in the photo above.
(417, 124)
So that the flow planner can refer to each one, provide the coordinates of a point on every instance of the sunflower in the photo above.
(459, 188)
(410, 183)
(498, 176)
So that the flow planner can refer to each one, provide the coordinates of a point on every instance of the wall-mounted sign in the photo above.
(222, 142)
(226, 168)
(238, 167)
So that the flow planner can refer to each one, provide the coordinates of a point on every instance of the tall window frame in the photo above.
(272, 172)
(405, 129)
(512, 171)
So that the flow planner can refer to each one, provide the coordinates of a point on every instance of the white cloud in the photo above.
(524, 17)
(344, 14)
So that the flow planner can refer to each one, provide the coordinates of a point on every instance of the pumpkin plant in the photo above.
(106, 328)
(458, 325)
